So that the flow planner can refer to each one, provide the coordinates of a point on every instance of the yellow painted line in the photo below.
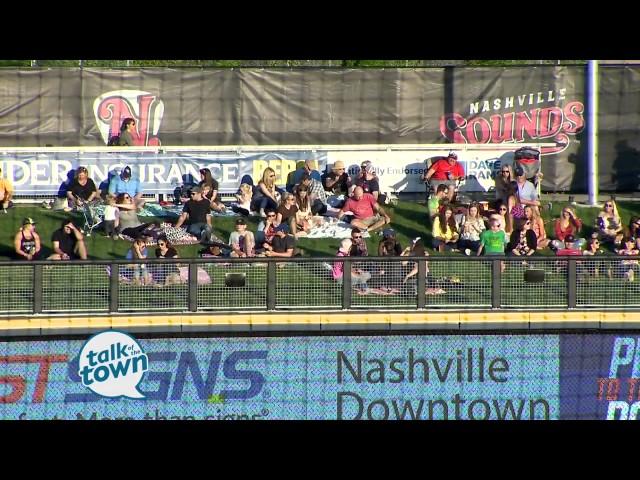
(322, 318)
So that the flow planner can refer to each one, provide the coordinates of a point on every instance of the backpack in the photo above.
(113, 141)
(529, 159)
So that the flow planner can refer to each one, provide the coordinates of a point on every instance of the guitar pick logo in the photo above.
(111, 108)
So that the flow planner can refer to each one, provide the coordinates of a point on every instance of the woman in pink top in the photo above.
(358, 277)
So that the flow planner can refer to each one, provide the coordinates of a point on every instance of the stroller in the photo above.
(91, 216)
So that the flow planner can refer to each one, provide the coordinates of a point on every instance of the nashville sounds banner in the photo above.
(470, 106)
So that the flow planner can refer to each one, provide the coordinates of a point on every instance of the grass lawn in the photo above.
(408, 219)
(303, 285)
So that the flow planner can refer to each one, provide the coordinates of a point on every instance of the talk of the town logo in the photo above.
(111, 108)
(547, 116)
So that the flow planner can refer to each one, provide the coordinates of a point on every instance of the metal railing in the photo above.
(307, 284)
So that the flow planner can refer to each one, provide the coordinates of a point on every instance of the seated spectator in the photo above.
(129, 223)
(212, 250)
(367, 214)
(266, 229)
(337, 181)
(571, 247)
(125, 183)
(82, 188)
(196, 213)
(111, 220)
(68, 243)
(282, 245)
(537, 225)
(359, 278)
(165, 274)
(286, 212)
(389, 246)
(368, 180)
(27, 242)
(127, 130)
(138, 271)
(6, 192)
(567, 224)
(266, 194)
(503, 216)
(586, 269)
(470, 228)
(310, 167)
(436, 201)
(526, 193)
(415, 250)
(634, 227)
(303, 217)
(317, 195)
(209, 186)
(609, 224)
(523, 241)
(445, 232)
(242, 240)
(358, 244)
(244, 198)
(446, 170)
(505, 185)
(628, 268)
(493, 241)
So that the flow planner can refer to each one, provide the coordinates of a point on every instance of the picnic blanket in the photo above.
(164, 211)
(332, 229)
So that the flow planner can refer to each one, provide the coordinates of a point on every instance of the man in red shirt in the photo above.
(367, 214)
(445, 171)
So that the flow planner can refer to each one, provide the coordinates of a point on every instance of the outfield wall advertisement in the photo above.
(398, 170)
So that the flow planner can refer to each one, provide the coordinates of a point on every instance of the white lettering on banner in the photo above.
(59, 171)
(174, 176)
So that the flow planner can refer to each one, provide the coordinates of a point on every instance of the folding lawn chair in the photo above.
(91, 217)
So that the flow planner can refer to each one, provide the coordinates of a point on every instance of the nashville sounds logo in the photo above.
(146, 109)
(528, 120)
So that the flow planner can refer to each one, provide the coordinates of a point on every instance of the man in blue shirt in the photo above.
(310, 167)
(124, 183)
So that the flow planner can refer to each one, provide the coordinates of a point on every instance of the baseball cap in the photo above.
(28, 221)
(241, 221)
(452, 154)
(283, 227)
(388, 233)
(569, 239)
(126, 172)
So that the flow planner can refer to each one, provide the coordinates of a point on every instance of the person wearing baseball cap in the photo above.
(127, 183)
(444, 171)
(242, 241)
(282, 244)
(6, 192)
(27, 242)
(337, 181)
(570, 247)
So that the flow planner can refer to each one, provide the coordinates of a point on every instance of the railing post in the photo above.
(346, 285)
(422, 284)
(37, 289)
(193, 287)
(271, 285)
(496, 287)
(572, 287)
(114, 288)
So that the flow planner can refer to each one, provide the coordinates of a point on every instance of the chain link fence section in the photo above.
(16, 288)
(530, 282)
(458, 284)
(307, 285)
(234, 286)
(75, 288)
(608, 283)
(152, 287)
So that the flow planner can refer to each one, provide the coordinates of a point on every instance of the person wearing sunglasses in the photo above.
(27, 242)
(567, 224)
(127, 183)
(523, 241)
(266, 195)
(593, 268)
(446, 170)
(358, 244)
(68, 243)
(628, 269)
(505, 186)
(165, 274)
(337, 181)
(437, 200)
(266, 230)
(196, 213)
(609, 224)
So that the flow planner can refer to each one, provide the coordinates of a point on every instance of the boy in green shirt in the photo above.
(493, 241)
